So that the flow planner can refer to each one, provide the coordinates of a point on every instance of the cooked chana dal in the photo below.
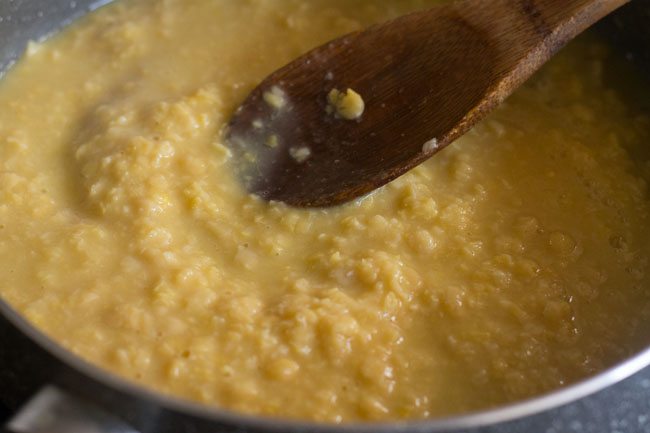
(512, 263)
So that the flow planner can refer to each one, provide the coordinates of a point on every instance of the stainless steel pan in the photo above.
(59, 393)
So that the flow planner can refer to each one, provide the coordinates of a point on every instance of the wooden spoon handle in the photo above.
(535, 30)
(546, 15)
(521, 36)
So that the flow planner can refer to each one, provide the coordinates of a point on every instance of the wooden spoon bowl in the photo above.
(426, 78)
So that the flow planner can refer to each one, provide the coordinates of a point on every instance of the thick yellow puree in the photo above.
(511, 264)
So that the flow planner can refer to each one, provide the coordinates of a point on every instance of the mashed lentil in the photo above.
(348, 105)
(513, 263)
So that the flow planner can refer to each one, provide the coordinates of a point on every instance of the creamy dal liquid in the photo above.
(513, 263)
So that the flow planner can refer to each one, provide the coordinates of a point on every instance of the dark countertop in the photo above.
(622, 408)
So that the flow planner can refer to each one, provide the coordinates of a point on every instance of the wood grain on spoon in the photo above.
(427, 75)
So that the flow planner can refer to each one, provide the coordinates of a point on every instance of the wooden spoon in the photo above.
(425, 78)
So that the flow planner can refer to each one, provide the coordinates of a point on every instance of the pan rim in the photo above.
(501, 414)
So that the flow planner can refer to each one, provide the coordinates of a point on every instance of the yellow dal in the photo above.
(511, 264)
